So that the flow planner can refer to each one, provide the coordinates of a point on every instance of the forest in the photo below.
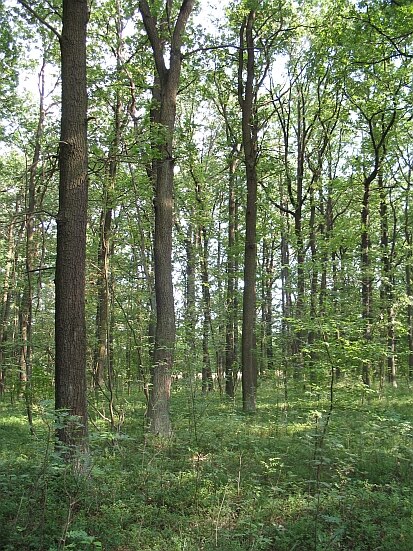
(206, 275)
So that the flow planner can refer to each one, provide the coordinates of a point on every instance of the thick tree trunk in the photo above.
(249, 135)
(159, 398)
(70, 326)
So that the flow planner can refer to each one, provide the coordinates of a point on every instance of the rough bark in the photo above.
(70, 326)
(249, 136)
(159, 398)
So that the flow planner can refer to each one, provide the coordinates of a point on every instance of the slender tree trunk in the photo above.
(366, 279)
(299, 334)
(286, 299)
(10, 267)
(231, 306)
(70, 326)
(313, 330)
(326, 230)
(102, 358)
(26, 307)
(207, 382)
(409, 276)
(191, 248)
(267, 305)
(387, 285)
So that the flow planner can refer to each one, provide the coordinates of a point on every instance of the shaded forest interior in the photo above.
(206, 316)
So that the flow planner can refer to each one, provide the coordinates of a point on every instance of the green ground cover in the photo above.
(275, 481)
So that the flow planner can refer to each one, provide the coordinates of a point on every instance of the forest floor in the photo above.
(280, 480)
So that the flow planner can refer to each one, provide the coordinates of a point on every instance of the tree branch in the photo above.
(149, 22)
(181, 21)
(39, 18)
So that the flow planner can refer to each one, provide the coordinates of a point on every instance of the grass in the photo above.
(225, 481)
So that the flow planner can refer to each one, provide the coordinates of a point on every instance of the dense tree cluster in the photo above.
(247, 195)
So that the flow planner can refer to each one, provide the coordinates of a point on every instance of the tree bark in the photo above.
(207, 382)
(409, 276)
(70, 326)
(231, 291)
(159, 398)
(6, 299)
(249, 135)
(387, 285)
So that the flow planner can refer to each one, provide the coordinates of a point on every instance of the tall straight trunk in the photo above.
(378, 144)
(6, 299)
(249, 136)
(26, 310)
(326, 230)
(299, 334)
(159, 398)
(387, 285)
(285, 275)
(102, 359)
(144, 252)
(408, 235)
(191, 247)
(70, 326)
(207, 382)
(231, 291)
(267, 304)
(26, 307)
(366, 279)
(313, 330)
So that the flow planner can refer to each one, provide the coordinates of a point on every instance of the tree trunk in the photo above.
(299, 334)
(313, 330)
(10, 268)
(387, 285)
(231, 291)
(207, 382)
(159, 398)
(26, 307)
(366, 279)
(409, 277)
(249, 135)
(70, 326)
(267, 304)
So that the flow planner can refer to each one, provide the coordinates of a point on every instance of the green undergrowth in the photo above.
(279, 480)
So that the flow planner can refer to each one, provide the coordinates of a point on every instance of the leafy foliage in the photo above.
(224, 481)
